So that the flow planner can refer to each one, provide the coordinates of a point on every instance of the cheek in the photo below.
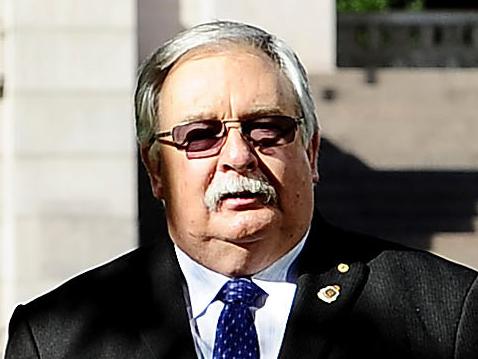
(188, 179)
(292, 163)
(294, 175)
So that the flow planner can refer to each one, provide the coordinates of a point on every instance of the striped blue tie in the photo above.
(236, 335)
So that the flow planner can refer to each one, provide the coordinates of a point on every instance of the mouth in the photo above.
(244, 194)
(242, 200)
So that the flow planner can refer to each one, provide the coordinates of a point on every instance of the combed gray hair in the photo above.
(154, 70)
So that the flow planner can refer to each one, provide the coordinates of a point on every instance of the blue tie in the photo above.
(236, 336)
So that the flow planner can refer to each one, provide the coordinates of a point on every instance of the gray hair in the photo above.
(154, 70)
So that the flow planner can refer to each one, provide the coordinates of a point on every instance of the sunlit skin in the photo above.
(243, 236)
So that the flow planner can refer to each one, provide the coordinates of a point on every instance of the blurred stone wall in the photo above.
(308, 25)
(67, 153)
(400, 156)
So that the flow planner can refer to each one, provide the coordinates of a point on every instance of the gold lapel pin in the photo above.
(343, 268)
(329, 294)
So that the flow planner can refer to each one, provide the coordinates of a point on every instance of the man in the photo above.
(229, 136)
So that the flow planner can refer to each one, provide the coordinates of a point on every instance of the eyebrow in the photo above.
(251, 114)
(263, 111)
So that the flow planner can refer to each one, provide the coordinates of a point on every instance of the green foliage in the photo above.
(361, 5)
(415, 5)
(378, 5)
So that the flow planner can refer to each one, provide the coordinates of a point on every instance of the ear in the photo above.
(313, 154)
(150, 158)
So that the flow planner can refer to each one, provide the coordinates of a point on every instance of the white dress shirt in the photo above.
(203, 285)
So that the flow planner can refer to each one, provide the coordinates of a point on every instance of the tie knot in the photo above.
(240, 291)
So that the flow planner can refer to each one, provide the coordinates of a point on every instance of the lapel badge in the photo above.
(329, 294)
(343, 268)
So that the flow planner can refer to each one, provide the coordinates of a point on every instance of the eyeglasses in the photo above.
(205, 138)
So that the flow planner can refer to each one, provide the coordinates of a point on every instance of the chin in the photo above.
(245, 224)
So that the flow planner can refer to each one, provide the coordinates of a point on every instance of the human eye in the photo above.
(270, 131)
(200, 131)
(265, 125)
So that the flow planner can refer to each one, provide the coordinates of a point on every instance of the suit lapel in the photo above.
(166, 330)
(316, 320)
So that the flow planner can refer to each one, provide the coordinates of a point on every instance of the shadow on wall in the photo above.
(403, 206)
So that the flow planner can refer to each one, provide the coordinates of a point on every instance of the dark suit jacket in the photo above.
(394, 303)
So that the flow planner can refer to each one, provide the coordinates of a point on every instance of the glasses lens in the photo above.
(205, 138)
(199, 135)
(270, 131)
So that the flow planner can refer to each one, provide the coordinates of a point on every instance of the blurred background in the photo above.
(396, 87)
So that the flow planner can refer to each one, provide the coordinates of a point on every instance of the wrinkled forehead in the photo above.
(227, 47)
(234, 50)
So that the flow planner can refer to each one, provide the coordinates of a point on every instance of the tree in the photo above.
(378, 5)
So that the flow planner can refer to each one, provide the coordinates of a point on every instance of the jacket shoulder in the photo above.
(106, 280)
(63, 322)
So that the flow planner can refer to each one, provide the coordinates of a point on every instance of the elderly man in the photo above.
(229, 136)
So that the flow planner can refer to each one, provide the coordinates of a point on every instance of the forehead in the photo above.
(224, 82)
(225, 49)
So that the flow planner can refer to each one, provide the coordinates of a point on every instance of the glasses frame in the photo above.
(159, 136)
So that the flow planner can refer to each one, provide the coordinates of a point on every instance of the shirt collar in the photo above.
(204, 283)
(279, 271)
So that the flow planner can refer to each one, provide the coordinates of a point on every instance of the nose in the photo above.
(237, 153)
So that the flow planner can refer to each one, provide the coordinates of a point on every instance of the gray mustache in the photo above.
(221, 187)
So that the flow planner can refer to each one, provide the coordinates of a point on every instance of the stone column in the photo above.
(67, 151)
(307, 25)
